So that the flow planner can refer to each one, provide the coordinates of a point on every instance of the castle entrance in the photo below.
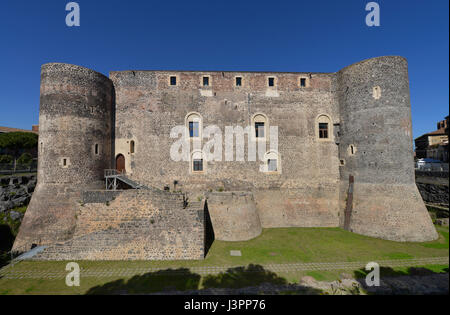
(120, 163)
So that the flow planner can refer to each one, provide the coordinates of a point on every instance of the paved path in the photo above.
(9, 272)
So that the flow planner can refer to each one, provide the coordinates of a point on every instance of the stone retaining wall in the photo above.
(137, 225)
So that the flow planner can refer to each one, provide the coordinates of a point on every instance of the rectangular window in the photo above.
(194, 129)
(238, 81)
(64, 162)
(323, 130)
(173, 80)
(272, 165)
(198, 165)
(302, 82)
(271, 82)
(96, 149)
(259, 130)
(205, 81)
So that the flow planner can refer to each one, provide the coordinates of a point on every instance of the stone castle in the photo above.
(344, 159)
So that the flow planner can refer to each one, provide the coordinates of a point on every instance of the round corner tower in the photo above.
(75, 145)
(376, 149)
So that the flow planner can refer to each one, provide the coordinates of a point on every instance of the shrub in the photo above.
(6, 159)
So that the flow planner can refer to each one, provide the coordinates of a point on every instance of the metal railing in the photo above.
(111, 173)
(432, 167)
(10, 169)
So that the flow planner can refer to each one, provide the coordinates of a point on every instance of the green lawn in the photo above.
(274, 246)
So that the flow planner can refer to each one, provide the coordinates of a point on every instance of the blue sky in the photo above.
(256, 35)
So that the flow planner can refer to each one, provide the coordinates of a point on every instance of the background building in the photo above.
(434, 145)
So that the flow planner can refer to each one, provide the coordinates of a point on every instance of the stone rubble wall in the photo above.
(433, 186)
(16, 191)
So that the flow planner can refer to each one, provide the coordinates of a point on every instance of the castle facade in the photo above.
(343, 157)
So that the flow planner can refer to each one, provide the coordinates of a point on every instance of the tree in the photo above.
(17, 141)
(25, 159)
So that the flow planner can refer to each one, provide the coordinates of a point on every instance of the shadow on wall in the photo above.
(412, 281)
(183, 280)
(209, 230)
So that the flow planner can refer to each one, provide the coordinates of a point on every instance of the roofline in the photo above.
(225, 71)
(267, 72)
(430, 134)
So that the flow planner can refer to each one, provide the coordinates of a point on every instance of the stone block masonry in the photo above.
(136, 225)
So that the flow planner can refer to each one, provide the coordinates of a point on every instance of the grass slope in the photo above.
(274, 246)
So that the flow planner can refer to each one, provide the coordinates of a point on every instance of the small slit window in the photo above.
(205, 81)
(173, 80)
(64, 162)
(96, 149)
(238, 81)
(271, 82)
(132, 145)
(302, 82)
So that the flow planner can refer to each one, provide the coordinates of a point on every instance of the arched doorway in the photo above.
(120, 163)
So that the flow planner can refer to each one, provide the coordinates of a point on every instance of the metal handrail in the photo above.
(110, 173)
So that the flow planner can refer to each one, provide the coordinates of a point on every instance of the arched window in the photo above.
(324, 127)
(198, 162)
(260, 126)
(132, 146)
(194, 125)
(272, 162)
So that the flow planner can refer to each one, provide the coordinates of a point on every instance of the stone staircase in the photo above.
(113, 177)
(131, 183)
